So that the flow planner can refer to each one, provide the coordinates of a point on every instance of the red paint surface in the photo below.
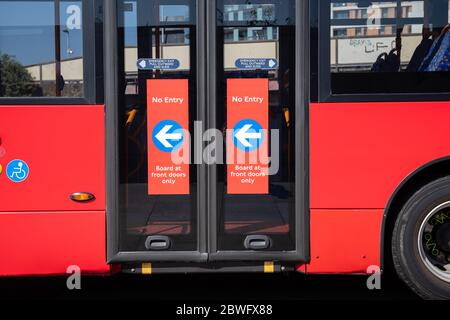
(361, 152)
(253, 164)
(344, 241)
(64, 147)
(157, 112)
(41, 243)
(42, 231)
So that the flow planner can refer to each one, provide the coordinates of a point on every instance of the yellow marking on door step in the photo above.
(269, 267)
(146, 268)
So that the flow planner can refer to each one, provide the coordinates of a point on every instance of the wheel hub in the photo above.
(434, 241)
(443, 237)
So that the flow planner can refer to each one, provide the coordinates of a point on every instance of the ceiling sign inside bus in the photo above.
(158, 64)
(168, 120)
(247, 140)
(257, 63)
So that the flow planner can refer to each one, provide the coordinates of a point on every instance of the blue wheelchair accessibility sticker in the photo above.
(168, 136)
(248, 135)
(17, 170)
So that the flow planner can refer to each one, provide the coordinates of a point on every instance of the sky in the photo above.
(27, 31)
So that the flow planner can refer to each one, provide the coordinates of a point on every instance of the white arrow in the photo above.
(272, 63)
(243, 135)
(143, 64)
(163, 136)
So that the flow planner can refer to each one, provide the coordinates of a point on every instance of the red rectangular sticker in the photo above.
(168, 125)
(247, 136)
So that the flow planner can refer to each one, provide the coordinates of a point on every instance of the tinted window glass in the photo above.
(154, 30)
(251, 31)
(389, 46)
(41, 49)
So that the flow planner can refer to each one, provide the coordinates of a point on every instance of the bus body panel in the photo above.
(345, 241)
(361, 152)
(46, 243)
(64, 147)
(42, 231)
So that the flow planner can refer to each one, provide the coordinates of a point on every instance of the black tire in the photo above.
(405, 251)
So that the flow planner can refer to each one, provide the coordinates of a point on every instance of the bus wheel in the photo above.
(421, 241)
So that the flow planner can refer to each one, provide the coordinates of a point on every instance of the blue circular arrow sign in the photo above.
(168, 135)
(248, 135)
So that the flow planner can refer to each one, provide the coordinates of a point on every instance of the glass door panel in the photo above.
(157, 55)
(256, 103)
(231, 66)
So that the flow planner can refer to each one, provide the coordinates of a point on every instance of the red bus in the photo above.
(346, 101)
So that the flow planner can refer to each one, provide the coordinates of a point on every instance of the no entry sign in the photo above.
(168, 123)
(247, 138)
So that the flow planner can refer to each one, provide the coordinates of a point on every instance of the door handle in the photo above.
(157, 243)
(257, 242)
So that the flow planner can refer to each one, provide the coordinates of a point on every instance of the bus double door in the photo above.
(206, 134)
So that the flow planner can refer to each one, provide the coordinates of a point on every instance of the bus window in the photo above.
(41, 49)
(389, 46)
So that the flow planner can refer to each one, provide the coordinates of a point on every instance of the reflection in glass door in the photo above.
(157, 52)
(234, 66)
(256, 60)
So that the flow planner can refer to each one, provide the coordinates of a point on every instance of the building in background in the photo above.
(359, 35)
(356, 41)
